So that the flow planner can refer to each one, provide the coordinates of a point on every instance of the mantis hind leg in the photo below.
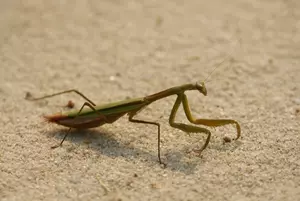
(60, 93)
(67, 133)
(132, 114)
(187, 128)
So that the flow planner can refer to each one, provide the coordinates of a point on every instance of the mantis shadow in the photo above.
(105, 143)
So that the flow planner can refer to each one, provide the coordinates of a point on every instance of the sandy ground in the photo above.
(111, 50)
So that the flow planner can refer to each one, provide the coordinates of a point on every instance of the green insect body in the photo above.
(91, 115)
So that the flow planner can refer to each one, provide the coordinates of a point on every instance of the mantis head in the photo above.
(201, 88)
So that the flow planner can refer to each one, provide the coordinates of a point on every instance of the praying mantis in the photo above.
(91, 115)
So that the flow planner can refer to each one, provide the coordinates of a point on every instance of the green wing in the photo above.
(110, 108)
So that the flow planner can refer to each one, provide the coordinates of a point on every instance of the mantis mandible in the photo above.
(91, 115)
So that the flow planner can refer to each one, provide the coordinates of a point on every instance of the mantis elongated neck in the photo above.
(170, 92)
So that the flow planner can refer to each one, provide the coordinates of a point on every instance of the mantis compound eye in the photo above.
(201, 88)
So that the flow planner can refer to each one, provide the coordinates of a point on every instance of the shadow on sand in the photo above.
(105, 143)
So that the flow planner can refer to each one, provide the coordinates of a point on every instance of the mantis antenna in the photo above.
(221, 62)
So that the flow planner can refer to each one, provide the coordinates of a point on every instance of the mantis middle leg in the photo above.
(132, 114)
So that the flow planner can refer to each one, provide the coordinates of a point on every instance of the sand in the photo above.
(112, 50)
